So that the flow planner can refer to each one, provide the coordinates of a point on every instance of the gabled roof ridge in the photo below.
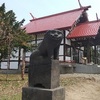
(82, 8)
(93, 21)
(87, 22)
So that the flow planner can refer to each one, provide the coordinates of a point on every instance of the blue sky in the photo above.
(40, 8)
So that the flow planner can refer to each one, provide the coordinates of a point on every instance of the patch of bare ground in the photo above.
(81, 86)
(77, 86)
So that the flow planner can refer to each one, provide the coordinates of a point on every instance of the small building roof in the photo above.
(57, 21)
(87, 29)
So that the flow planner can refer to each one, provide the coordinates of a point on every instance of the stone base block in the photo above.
(44, 75)
(31, 93)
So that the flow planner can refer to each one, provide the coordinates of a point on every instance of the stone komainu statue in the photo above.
(49, 47)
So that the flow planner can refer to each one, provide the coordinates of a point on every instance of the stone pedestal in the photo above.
(44, 81)
(44, 75)
(31, 93)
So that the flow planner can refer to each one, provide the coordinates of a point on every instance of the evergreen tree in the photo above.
(12, 36)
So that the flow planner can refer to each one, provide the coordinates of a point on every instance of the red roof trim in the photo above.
(82, 8)
(87, 29)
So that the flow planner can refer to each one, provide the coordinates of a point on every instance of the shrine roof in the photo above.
(88, 29)
(63, 20)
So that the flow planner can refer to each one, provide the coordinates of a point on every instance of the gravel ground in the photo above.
(81, 86)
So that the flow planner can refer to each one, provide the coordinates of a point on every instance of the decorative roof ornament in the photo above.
(32, 16)
(79, 3)
(97, 17)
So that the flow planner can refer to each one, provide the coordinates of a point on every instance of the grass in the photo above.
(11, 89)
(69, 81)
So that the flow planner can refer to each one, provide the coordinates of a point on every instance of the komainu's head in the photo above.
(54, 34)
